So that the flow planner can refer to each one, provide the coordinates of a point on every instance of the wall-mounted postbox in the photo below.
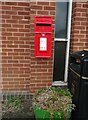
(43, 36)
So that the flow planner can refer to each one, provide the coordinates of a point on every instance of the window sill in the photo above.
(59, 83)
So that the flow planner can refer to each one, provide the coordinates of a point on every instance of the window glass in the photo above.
(59, 60)
(61, 20)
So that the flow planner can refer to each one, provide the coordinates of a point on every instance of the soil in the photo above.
(24, 114)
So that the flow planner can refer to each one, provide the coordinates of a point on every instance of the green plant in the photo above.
(14, 103)
(56, 100)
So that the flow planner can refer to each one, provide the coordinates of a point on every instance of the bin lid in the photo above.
(79, 63)
(80, 54)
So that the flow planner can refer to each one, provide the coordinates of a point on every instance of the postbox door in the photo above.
(43, 45)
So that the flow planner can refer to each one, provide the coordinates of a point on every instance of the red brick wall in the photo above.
(41, 69)
(21, 71)
(0, 47)
(79, 39)
(15, 46)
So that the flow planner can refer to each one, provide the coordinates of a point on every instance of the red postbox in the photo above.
(43, 36)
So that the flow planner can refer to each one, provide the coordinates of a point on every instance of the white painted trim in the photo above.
(68, 43)
(58, 39)
(57, 83)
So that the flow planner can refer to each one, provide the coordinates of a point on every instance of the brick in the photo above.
(83, 32)
(11, 30)
(27, 26)
(12, 38)
(6, 34)
(24, 46)
(27, 34)
(52, 12)
(10, 3)
(85, 5)
(43, 12)
(6, 25)
(23, 13)
(49, 8)
(34, 7)
(32, 3)
(80, 19)
(81, 10)
(11, 12)
(18, 34)
(78, 5)
(12, 61)
(6, 65)
(23, 4)
(26, 21)
(77, 14)
(17, 17)
(27, 8)
(19, 42)
(24, 30)
(6, 7)
(82, 40)
(11, 21)
(17, 8)
(43, 3)
(83, 23)
(33, 12)
(79, 27)
(12, 46)
(18, 57)
(84, 14)
(6, 16)
(86, 44)
(52, 4)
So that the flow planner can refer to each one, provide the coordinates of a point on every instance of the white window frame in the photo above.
(62, 83)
